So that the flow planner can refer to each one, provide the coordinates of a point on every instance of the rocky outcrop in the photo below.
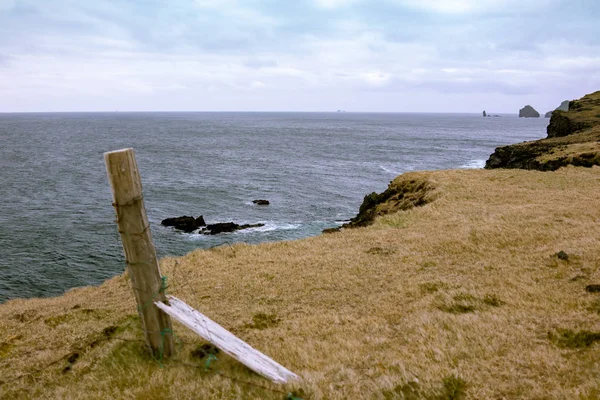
(226, 227)
(564, 106)
(261, 202)
(573, 139)
(403, 193)
(582, 114)
(185, 223)
(528, 112)
(191, 224)
(490, 115)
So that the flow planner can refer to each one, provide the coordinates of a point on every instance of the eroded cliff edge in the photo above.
(573, 139)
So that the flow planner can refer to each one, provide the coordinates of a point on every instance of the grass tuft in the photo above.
(263, 321)
(574, 340)
(432, 287)
(405, 391)
(380, 251)
(454, 388)
(492, 300)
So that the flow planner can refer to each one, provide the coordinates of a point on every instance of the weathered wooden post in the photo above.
(140, 254)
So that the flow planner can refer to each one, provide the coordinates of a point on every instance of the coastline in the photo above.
(466, 288)
(458, 283)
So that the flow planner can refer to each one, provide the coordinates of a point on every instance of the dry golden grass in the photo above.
(583, 145)
(461, 298)
(586, 110)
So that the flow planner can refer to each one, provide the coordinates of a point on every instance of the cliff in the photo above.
(564, 106)
(573, 139)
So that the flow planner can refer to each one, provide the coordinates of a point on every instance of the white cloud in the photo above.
(330, 4)
(471, 6)
(92, 54)
(257, 85)
(376, 78)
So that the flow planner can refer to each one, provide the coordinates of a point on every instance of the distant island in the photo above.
(489, 115)
(528, 112)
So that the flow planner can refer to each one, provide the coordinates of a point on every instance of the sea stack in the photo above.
(484, 114)
(528, 112)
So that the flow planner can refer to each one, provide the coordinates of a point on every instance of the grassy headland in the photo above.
(573, 139)
(465, 296)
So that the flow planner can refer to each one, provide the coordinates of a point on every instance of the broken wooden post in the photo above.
(226, 341)
(140, 254)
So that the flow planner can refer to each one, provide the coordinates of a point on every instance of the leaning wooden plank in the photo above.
(226, 341)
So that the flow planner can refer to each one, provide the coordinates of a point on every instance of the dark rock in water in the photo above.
(592, 288)
(484, 114)
(331, 230)
(185, 223)
(528, 112)
(261, 202)
(226, 227)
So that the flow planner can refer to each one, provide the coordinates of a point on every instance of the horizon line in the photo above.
(255, 111)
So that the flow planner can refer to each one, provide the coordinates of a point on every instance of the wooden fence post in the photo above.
(140, 254)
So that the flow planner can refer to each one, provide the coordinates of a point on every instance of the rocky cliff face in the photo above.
(403, 193)
(573, 139)
(582, 114)
(564, 106)
(528, 112)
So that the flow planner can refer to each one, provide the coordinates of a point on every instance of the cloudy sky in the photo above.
(297, 55)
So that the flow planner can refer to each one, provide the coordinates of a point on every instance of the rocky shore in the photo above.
(573, 139)
(189, 224)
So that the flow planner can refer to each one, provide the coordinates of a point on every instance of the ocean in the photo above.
(57, 224)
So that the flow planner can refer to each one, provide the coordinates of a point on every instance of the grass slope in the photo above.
(464, 297)
(573, 139)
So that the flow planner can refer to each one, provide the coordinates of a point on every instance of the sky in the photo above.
(297, 55)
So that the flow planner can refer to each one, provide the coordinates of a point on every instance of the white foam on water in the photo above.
(272, 226)
(389, 170)
(473, 164)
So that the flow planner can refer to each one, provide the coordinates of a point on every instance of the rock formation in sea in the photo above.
(528, 112)
(261, 202)
(225, 227)
(564, 106)
(484, 114)
(191, 224)
(185, 223)
(573, 139)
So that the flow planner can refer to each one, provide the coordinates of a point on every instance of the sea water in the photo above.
(57, 224)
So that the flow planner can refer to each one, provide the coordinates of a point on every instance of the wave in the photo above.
(395, 171)
(473, 164)
(272, 226)
(268, 227)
